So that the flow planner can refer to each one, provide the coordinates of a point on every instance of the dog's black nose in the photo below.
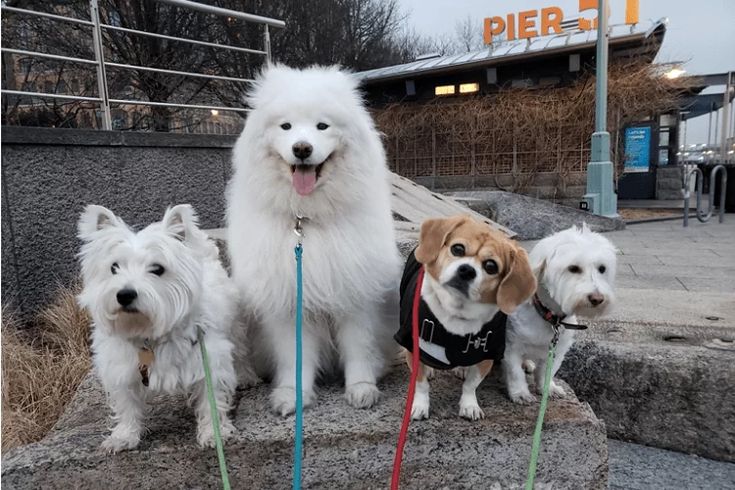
(466, 272)
(596, 299)
(126, 296)
(302, 150)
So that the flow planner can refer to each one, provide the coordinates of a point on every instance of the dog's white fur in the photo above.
(193, 291)
(529, 335)
(350, 259)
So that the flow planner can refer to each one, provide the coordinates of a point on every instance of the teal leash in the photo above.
(298, 450)
(536, 445)
(215, 414)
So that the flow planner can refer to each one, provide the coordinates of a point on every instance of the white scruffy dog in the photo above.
(310, 149)
(575, 269)
(148, 292)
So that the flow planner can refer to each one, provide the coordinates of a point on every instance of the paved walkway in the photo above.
(665, 255)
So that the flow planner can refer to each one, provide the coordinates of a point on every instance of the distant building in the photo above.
(443, 129)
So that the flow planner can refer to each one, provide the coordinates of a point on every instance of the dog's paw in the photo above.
(460, 372)
(119, 441)
(283, 400)
(420, 408)
(522, 397)
(205, 432)
(556, 391)
(528, 366)
(470, 411)
(362, 395)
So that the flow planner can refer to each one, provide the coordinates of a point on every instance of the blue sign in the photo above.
(637, 149)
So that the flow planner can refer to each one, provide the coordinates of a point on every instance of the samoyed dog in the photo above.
(310, 150)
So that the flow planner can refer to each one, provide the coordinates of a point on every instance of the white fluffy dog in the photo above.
(148, 292)
(575, 269)
(310, 149)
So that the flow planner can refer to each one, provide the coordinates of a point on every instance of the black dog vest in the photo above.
(440, 348)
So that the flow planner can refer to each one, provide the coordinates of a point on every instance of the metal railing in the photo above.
(699, 182)
(103, 99)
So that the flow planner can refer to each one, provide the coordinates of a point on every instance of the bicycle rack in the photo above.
(701, 215)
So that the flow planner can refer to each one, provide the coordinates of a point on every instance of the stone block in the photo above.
(344, 447)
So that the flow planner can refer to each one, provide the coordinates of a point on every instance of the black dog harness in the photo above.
(440, 348)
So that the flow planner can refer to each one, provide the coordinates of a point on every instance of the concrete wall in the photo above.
(49, 175)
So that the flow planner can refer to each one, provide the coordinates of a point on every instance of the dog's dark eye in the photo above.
(322, 126)
(602, 269)
(286, 126)
(114, 268)
(457, 250)
(575, 269)
(157, 269)
(490, 266)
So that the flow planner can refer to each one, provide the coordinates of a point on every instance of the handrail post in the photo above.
(99, 55)
(267, 42)
(723, 190)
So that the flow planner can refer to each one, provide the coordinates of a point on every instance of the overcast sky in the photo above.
(699, 33)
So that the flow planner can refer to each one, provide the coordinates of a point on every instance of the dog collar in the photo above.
(555, 319)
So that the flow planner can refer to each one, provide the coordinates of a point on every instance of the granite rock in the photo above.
(532, 218)
(344, 447)
(660, 385)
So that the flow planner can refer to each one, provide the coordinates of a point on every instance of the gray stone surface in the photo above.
(344, 447)
(636, 467)
(49, 175)
(532, 218)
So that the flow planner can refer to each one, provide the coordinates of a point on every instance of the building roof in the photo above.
(515, 50)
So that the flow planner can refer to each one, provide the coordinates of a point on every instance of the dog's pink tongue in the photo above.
(304, 179)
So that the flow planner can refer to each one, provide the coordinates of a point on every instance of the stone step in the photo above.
(344, 447)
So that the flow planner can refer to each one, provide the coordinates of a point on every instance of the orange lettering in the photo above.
(511, 24)
(551, 19)
(586, 24)
(492, 27)
(632, 10)
(526, 24)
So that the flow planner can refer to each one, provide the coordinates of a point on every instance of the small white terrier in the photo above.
(575, 269)
(148, 292)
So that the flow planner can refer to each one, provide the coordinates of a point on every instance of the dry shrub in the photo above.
(521, 132)
(42, 367)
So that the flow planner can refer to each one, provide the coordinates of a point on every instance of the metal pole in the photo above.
(600, 197)
(725, 117)
(100, 57)
(267, 42)
(709, 127)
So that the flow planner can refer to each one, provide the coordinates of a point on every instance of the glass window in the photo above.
(469, 88)
(444, 90)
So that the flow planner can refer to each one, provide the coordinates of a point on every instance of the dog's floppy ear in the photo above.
(434, 234)
(541, 253)
(181, 221)
(518, 284)
(95, 218)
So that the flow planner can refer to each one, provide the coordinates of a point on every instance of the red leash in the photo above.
(396, 478)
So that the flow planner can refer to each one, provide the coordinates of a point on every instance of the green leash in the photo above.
(536, 445)
(215, 414)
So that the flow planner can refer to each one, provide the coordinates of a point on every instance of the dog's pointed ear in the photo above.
(518, 284)
(181, 221)
(95, 218)
(434, 234)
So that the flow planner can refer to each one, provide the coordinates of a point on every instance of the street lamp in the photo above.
(675, 72)
(600, 198)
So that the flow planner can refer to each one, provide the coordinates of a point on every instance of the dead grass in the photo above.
(42, 366)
